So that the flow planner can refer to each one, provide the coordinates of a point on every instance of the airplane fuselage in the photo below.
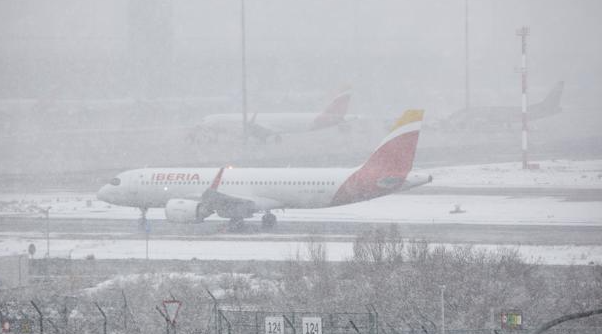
(274, 122)
(293, 187)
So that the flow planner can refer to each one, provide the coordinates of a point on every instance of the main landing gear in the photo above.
(142, 219)
(268, 220)
(236, 224)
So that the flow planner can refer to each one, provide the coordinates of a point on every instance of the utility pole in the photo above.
(466, 52)
(523, 33)
(47, 216)
(442, 287)
(243, 70)
(147, 229)
(47, 260)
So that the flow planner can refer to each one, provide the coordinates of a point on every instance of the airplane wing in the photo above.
(220, 201)
(260, 131)
(231, 205)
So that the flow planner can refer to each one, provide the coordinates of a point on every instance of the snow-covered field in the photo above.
(400, 208)
(261, 250)
(550, 174)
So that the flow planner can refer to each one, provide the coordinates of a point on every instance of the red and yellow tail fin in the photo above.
(388, 166)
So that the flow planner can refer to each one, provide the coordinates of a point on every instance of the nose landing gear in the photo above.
(142, 219)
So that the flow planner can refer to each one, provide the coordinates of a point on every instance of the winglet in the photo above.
(217, 179)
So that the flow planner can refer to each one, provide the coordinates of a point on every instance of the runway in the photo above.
(83, 228)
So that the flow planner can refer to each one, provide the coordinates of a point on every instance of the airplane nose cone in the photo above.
(103, 194)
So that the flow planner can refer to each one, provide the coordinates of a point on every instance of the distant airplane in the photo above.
(191, 194)
(495, 116)
(265, 125)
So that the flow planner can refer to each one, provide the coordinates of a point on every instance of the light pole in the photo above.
(442, 287)
(243, 40)
(47, 214)
(466, 55)
(47, 260)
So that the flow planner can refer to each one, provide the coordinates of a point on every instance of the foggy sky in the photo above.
(393, 52)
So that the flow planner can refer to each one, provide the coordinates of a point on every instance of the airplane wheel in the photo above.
(268, 220)
(236, 224)
(142, 220)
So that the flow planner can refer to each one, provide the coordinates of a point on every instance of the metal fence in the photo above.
(561, 330)
(255, 322)
(34, 317)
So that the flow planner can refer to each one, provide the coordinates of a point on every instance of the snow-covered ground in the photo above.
(401, 208)
(407, 208)
(260, 250)
(551, 174)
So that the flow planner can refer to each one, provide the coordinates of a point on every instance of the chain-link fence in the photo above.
(68, 316)
(75, 316)
(273, 322)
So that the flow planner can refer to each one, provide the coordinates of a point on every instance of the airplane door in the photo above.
(133, 184)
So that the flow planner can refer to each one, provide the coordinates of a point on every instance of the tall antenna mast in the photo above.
(466, 51)
(523, 33)
(243, 70)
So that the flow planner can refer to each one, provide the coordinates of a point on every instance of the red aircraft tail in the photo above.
(335, 112)
(388, 166)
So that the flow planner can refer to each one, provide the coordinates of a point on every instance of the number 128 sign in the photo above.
(312, 325)
(274, 325)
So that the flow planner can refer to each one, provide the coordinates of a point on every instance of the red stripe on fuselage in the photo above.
(392, 160)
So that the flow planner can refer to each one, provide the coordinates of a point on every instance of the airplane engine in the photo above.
(415, 180)
(186, 211)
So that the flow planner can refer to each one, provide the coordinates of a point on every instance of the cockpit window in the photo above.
(115, 181)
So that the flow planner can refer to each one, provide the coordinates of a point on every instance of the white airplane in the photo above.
(479, 117)
(265, 125)
(192, 194)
